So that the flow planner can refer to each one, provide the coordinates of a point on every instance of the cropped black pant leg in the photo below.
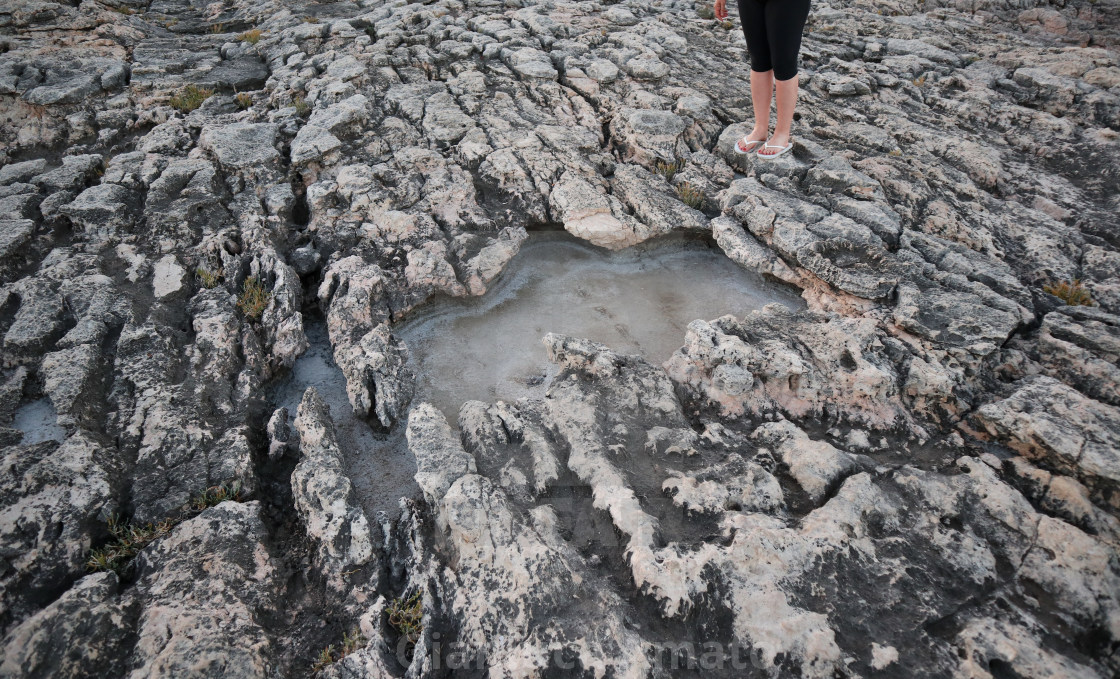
(773, 30)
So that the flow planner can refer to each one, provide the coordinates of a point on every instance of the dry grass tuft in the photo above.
(127, 539)
(216, 495)
(690, 195)
(209, 279)
(407, 617)
(669, 169)
(351, 641)
(254, 298)
(190, 98)
(302, 107)
(1070, 292)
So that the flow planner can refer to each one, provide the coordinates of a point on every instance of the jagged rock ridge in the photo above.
(916, 476)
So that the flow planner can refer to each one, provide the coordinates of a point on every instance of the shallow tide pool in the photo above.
(638, 301)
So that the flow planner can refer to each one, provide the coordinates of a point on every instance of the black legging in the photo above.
(773, 31)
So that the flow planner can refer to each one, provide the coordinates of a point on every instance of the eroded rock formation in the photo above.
(918, 475)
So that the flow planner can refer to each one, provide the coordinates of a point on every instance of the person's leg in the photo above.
(762, 91)
(753, 17)
(785, 22)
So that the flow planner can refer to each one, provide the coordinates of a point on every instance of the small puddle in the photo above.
(379, 465)
(638, 301)
(39, 422)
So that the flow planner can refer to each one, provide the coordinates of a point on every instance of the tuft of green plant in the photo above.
(216, 495)
(190, 98)
(325, 658)
(690, 195)
(705, 12)
(669, 169)
(252, 37)
(254, 298)
(727, 24)
(351, 641)
(127, 541)
(209, 279)
(407, 617)
(302, 107)
(244, 100)
(1070, 292)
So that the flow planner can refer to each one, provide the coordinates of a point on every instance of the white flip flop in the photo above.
(749, 141)
(771, 156)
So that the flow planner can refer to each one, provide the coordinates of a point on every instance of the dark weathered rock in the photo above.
(914, 476)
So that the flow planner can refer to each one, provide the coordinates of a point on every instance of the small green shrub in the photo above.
(216, 495)
(325, 658)
(252, 37)
(209, 279)
(668, 169)
(127, 541)
(705, 12)
(1070, 292)
(254, 298)
(690, 195)
(351, 641)
(302, 107)
(407, 617)
(190, 98)
(244, 100)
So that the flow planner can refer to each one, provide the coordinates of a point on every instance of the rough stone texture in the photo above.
(915, 476)
(798, 365)
(323, 495)
(56, 499)
(228, 570)
(1082, 346)
(241, 145)
(1048, 421)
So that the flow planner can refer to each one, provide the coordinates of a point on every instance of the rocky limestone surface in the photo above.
(918, 475)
